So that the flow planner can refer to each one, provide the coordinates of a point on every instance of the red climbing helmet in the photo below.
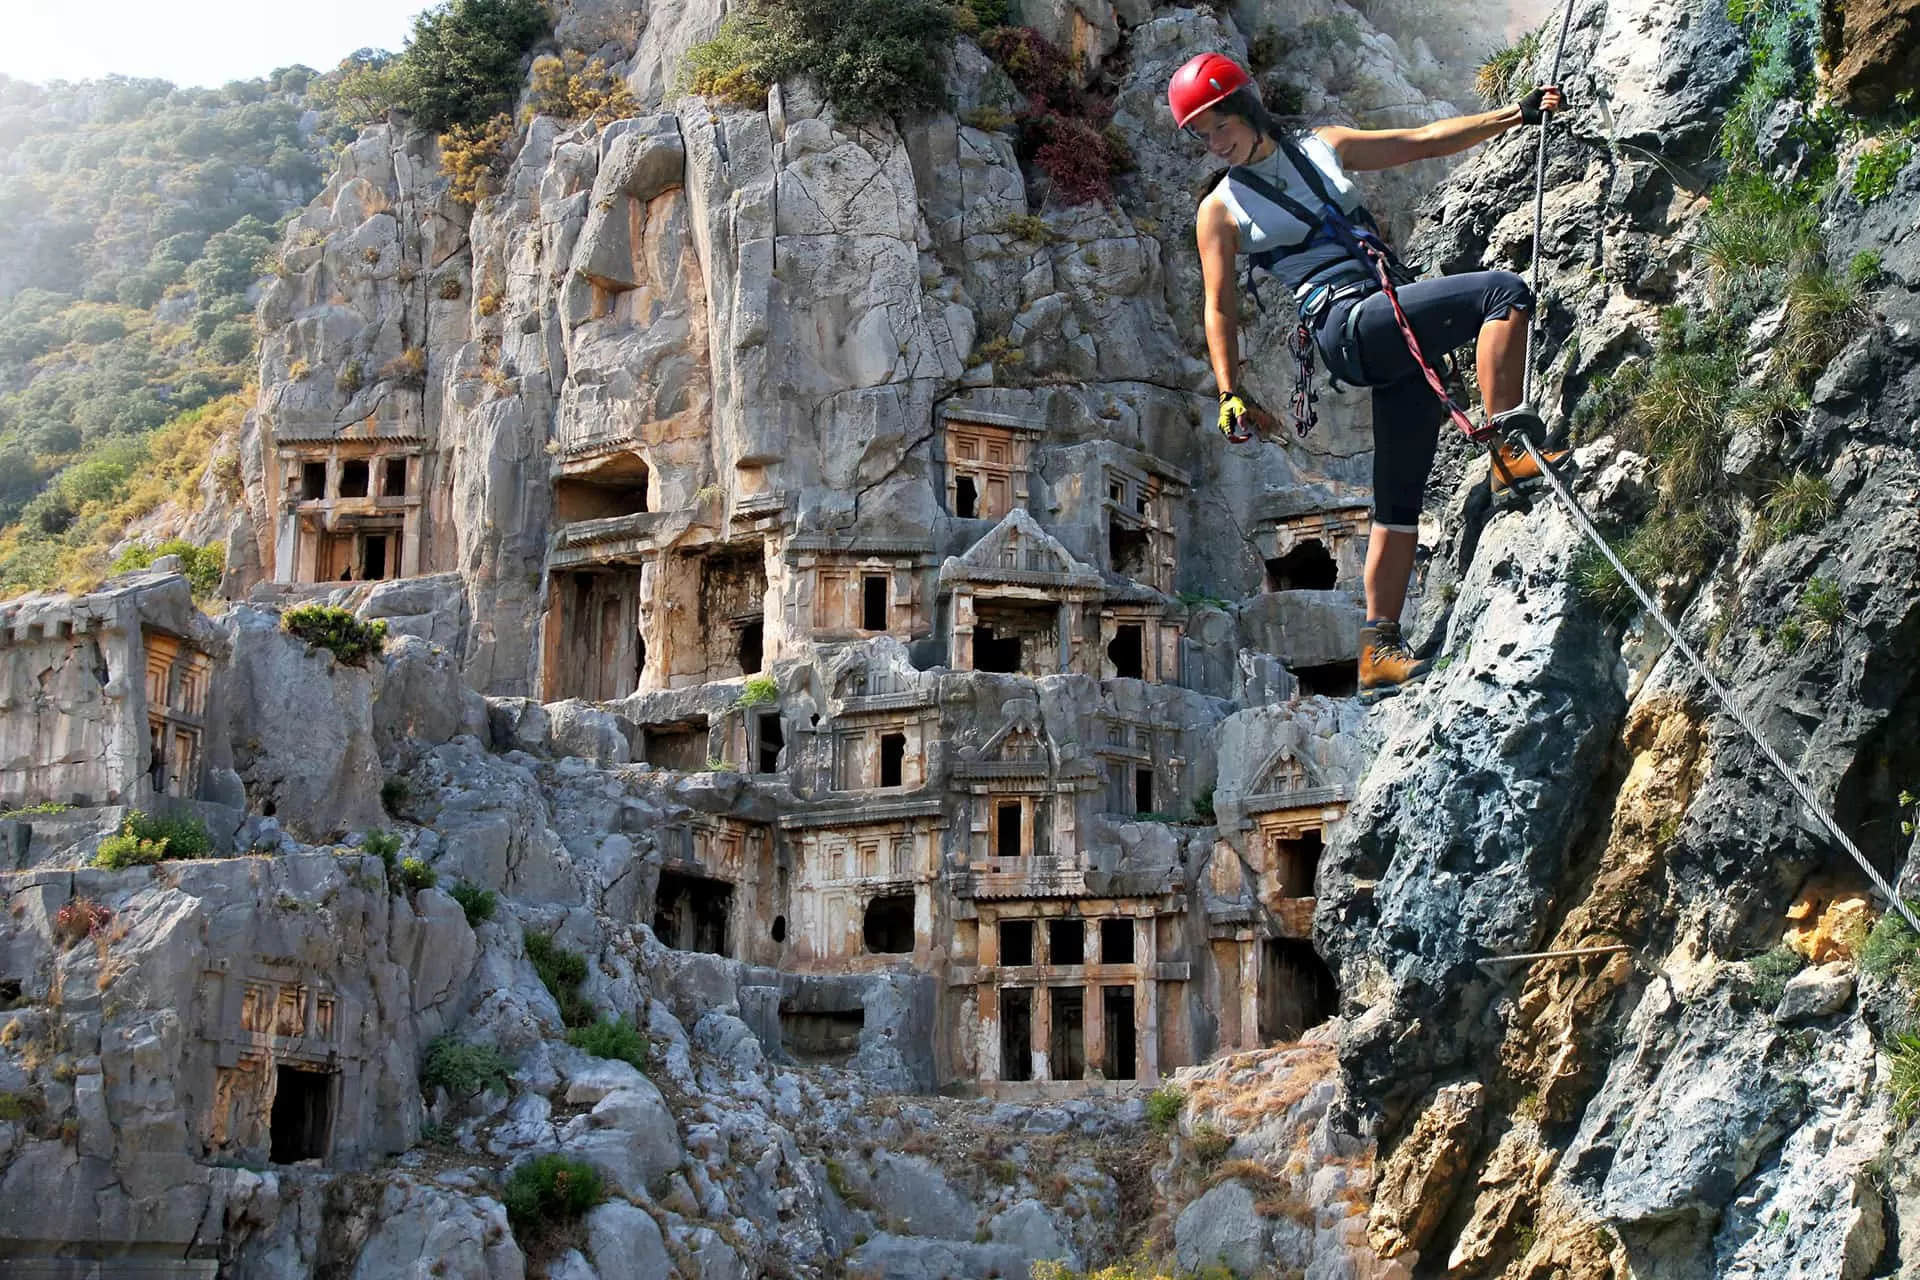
(1205, 81)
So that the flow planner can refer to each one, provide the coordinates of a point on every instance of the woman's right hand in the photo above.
(1241, 418)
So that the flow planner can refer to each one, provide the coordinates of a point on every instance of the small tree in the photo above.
(463, 63)
(869, 57)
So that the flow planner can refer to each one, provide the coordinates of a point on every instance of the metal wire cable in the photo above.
(1585, 525)
(1540, 203)
(1800, 787)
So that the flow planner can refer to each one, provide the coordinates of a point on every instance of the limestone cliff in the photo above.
(825, 633)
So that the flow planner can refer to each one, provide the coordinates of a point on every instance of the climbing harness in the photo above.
(1798, 785)
(1358, 234)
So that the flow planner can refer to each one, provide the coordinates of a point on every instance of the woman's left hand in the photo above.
(1541, 102)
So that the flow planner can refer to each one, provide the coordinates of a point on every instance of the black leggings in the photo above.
(1445, 313)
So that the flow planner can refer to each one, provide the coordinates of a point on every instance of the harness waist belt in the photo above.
(1333, 274)
(1315, 301)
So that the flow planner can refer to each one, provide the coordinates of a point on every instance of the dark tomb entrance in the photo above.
(690, 912)
(1016, 1033)
(301, 1122)
(1116, 1013)
(1297, 990)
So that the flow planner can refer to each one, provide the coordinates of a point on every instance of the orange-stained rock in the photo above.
(1423, 1175)
(1879, 44)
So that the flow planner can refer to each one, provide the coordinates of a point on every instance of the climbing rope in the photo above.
(1540, 200)
(1586, 527)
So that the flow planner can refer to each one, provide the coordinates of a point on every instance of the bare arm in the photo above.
(1219, 243)
(1364, 149)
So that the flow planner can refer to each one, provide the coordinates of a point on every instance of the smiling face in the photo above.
(1228, 137)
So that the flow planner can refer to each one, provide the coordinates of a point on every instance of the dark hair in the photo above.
(1245, 103)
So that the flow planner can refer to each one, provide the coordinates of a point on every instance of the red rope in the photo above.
(1459, 416)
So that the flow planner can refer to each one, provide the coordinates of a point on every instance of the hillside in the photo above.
(141, 217)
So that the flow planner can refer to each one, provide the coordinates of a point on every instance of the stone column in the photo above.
(987, 957)
(1042, 1030)
(286, 546)
(1146, 998)
(1249, 947)
(988, 1029)
(1065, 626)
(1094, 1022)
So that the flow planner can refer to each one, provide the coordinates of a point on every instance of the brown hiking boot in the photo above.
(1514, 470)
(1386, 664)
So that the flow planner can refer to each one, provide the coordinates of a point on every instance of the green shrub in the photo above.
(1903, 1079)
(573, 88)
(562, 972)
(1879, 168)
(758, 691)
(870, 58)
(385, 846)
(1891, 949)
(1769, 972)
(1798, 504)
(394, 794)
(145, 838)
(722, 68)
(463, 1070)
(46, 808)
(463, 61)
(1203, 806)
(478, 903)
(416, 875)
(17, 1106)
(1821, 602)
(1606, 400)
(1825, 309)
(1866, 268)
(202, 566)
(474, 157)
(1163, 1108)
(550, 1191)
(614, 1038)
(1753, 234)
(336, 630)
(125, 849)
(1210, 1142)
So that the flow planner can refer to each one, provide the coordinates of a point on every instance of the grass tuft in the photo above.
(1502, 77)
(562, 972)
(614, 1038)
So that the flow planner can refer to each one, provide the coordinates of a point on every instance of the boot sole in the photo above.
(1380, 693)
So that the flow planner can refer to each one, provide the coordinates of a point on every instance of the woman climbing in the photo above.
(1287, 203)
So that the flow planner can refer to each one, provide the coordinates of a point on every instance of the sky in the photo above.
(191, 42)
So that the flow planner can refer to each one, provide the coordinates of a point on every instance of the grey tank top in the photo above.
(1267, 227)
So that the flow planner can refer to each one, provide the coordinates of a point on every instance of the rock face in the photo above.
(824, 636)
(1879, 43)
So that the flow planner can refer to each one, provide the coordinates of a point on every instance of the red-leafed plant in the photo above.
(1064, 130)
(80, 918)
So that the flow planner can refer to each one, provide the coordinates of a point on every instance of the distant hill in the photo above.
(139, 217)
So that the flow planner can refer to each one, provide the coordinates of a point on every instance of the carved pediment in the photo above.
(1019, 550)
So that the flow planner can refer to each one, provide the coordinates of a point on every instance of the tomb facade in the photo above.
(109, 698)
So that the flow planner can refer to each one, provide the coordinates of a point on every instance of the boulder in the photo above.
(1221, 1228)
(626, 1242)
(1817, 992)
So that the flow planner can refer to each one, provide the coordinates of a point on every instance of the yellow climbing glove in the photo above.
(1234, 409)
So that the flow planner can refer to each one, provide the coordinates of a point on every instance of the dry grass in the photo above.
(1251, 1094)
